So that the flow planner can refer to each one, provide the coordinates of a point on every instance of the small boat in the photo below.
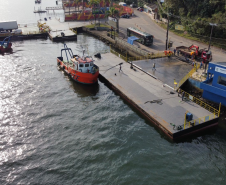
(80, 69)
(5, 45)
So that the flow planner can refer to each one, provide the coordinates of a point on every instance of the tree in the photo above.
(112, 12)
(77, 1)
(95, 3)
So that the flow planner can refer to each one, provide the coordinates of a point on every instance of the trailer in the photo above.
(8, 25)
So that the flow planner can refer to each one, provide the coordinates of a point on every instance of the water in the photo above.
(55, 131)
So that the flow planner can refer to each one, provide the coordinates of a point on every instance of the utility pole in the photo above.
(167, 32)
(211, 24)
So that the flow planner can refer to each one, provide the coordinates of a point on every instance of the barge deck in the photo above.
(158, 103)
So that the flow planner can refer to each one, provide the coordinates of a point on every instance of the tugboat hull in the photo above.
(84, 78)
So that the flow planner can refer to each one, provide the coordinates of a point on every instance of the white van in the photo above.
(122, 4)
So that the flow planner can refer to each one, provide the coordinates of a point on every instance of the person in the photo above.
(131, 67)
(174, 52)
(153, 68)
(178, 52)
(201, 65)
(186, 58)
(179, 91)
(120, 68)
(182, 95)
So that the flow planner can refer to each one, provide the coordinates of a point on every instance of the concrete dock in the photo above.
(157, 102)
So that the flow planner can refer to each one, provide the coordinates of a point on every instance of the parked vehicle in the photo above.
(142, 37)
(122, 4)
(8, 25)
(133, 6)
(194, 51)
(125, 16)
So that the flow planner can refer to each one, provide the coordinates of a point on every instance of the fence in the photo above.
(199, 120)
(196, 66)
(201, 103)
(148, 56)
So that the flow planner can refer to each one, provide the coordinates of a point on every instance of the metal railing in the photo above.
(199, 120)
(201, 103)
(149, 56)
(188, 75)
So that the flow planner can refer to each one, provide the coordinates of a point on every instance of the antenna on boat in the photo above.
(83, 52)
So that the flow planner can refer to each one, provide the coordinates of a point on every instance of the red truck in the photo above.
(193, 50)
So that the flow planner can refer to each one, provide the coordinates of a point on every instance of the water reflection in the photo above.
(83, 90)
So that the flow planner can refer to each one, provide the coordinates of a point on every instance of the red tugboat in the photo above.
(5, 45)
(80, 69)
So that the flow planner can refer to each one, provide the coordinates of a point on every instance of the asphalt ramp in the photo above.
(166, 69)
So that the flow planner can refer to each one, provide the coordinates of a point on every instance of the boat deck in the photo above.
(143, 92)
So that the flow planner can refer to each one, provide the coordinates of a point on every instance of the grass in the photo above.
(214, 42)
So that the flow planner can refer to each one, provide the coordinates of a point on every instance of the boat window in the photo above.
(222, 80)
(91, 64)
(86, 65)
(80, 65)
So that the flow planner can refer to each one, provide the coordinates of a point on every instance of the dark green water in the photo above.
(55, 131)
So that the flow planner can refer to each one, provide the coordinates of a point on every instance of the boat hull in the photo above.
(84, 78)
(6, 48)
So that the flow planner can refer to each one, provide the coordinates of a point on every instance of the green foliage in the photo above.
(112, 12)
(195, 15)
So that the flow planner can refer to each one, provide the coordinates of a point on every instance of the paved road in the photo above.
(143, 21)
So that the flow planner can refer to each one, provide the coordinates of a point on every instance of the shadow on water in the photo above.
(83, 90)
(10, 51)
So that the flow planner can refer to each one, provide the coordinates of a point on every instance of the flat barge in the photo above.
(155, 101)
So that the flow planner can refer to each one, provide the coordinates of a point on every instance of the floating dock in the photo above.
(61, 31)
(28, 32)
(156, 101)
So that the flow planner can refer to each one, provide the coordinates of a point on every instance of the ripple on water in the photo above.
(55, 131)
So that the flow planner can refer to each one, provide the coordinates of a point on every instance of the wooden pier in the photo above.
(157, 102)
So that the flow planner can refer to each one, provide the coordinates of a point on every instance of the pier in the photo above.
(156, 101)
(60, 31)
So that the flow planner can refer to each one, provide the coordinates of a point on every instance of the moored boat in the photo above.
(80, 69)
(5, 45)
